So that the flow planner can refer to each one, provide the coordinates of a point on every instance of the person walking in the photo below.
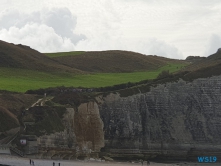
(30, 161)
(148, 162)
(53, 164)
(59, 164)
(33, 163)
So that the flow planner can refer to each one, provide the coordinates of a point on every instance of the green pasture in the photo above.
(58, 54)
(21, 80)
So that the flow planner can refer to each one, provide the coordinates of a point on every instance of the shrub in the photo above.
(164, 74)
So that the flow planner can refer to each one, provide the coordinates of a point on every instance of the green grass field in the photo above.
(57, 54)
(20, 80)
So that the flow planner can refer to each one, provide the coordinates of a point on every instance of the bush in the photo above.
(164, 74)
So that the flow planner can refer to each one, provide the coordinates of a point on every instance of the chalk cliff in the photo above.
(173, 120)
(177, 120)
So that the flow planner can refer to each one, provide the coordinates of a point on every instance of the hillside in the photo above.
(11, 106)
(23, 57)
(22, 68)
(8, 120)
(111, 61)
(203, 68)
(203, 63)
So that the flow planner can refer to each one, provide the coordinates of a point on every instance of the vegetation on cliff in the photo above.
(44, 120)
(7, 120)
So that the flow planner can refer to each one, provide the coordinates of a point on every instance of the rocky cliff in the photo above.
(173, 120)
(82, 136)
(178, 120)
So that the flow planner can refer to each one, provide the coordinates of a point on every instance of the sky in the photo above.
(170, 28)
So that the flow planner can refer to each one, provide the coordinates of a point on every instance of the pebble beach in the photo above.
(18, 161)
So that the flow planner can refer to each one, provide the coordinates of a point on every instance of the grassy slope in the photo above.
(204, 68)
(114, 61)
(21, 80)
(23, 57)
(22, 68)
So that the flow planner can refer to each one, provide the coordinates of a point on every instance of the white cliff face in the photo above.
(171, 117)
(174, 116)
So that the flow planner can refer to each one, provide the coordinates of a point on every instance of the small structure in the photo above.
(5, 149)
(29, 144)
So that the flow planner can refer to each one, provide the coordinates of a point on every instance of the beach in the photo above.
(18, 161)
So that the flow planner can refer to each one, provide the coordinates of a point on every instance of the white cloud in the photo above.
(63, 22)
(148, 46)
(168, 28)
(161, 48)
(46, 30)
(213, 44)
(37, 36)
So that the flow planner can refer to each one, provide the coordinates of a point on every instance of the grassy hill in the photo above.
(111, 61)
(23, 57)
(22, 80)
(22, 68)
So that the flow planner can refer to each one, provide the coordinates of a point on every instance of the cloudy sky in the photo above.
(170, 28)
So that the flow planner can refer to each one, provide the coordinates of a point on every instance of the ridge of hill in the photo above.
(111, 61)
(216, 56)
(24, 57)
(194, 59)
(204, 68)
(208, 67)
(205, 62)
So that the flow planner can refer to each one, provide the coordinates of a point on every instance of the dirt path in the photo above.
(36, 103)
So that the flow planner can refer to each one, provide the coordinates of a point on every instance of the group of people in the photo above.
(32, 162)
(58, 164)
